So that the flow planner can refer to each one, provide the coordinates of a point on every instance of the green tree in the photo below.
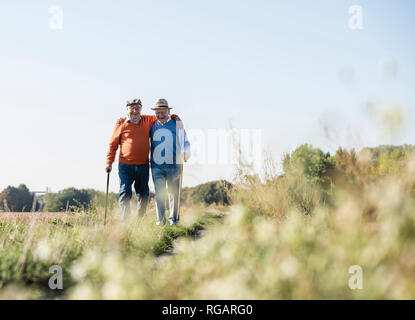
(308, 177)
(311, 162)
(18, 199)
(214, 192)
(74, 197)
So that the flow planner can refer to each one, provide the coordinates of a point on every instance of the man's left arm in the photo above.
(178, 121)
(184, 144)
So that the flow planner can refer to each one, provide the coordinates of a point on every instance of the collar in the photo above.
(129, 120)
(168, 119)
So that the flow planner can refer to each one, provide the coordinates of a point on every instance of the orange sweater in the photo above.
(134, 141)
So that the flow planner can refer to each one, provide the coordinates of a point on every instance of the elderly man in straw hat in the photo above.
(169, 147)
(132, 134)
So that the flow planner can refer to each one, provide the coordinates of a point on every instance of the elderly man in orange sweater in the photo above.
(133, 136)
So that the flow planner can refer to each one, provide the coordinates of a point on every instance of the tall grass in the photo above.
(290, 236)
(29, 248)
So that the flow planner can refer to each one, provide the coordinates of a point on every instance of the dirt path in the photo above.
(159, 260)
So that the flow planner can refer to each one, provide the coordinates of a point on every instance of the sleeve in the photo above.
(114, 143)
(184, 143)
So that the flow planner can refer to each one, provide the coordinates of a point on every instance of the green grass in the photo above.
(29, 249)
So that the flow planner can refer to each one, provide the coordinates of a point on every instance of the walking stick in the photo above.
(106, 199)
(180, 191)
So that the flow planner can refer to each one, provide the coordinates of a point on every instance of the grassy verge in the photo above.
(29, 248)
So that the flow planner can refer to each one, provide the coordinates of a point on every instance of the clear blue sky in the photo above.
(273, 65)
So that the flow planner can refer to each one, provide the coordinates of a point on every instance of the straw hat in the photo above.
(161, 104)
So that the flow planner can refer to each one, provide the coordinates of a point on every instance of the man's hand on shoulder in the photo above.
(179, 122)
(120, 120)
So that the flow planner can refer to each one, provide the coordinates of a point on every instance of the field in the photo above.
(296, 236)
(29, 216)
(32, 243)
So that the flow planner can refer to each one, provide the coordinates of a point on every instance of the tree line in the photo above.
(309, 176)
(19, 199)
(312, 177)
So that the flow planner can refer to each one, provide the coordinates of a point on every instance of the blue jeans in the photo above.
(129, 174)
(166, 184)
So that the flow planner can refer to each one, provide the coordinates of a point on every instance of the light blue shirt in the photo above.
(129, 120)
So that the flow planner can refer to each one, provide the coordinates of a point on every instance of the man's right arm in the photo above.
(113, 147)
(121, 120)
